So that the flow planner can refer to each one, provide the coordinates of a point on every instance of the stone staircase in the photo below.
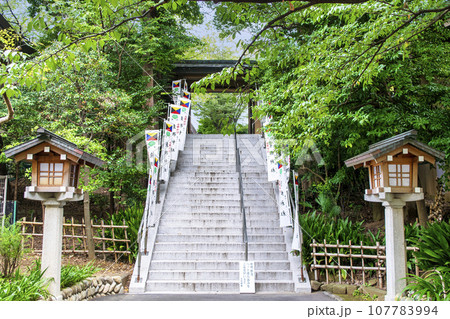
(198, 243)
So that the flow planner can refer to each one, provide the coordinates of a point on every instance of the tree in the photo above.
(93, 93)
(346, 76)
(59, 26)
(219, 114)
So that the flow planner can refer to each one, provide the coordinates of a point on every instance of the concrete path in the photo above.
(317, 296)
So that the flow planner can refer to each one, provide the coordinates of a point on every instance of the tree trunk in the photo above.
(16, 182)
(87, 219)
(148, 71)
(422, 213)
(3, 170)
(10, 114)
(112, 208)
(377, 212)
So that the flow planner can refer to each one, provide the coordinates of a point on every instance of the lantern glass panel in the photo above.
(377, 177)
(399, 175)
(51, 174)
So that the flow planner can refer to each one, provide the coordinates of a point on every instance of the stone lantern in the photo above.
(393, 176)
(55, 171)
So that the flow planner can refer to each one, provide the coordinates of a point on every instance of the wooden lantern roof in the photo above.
(58, 145)
(379, 151)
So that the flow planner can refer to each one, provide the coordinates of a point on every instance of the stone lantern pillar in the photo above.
(393, 177)
(55, 165)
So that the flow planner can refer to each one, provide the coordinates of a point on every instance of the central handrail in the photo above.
(241, 193)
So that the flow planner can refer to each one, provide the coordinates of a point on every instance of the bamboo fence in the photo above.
(74, 241)
(352, 260)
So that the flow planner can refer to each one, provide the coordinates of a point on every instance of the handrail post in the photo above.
(241, 193)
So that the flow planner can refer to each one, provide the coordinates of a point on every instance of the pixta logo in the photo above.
(309, 148)
(136, 149)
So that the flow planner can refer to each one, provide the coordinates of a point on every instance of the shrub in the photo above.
(434, 285)
(320, 227)
(132, 217)
(10, 249)
(71, 275)
(25, 287)
(434, 246)
(328, 205)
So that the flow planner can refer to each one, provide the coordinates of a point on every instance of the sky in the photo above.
(207, 28)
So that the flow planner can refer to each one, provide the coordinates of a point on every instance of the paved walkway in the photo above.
(316, 296)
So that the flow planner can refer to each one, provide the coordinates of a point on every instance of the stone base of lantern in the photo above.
(395, 239)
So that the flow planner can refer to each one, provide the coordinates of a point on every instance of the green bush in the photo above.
(10, 249)
(25, 287)
(322, 227)
(71, 275)
(328, 205)
(132, 217)
(433, 244)
(433, 285)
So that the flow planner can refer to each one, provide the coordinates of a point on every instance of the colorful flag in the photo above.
(185, 102)
(175, 110)
(151, 136)
(156, 162)
(176, 87)
(279, 165)
(169, 127)
(152, 141)
(186, 95)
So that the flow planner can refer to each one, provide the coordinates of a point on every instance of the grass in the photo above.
(25, 287)
(71, 274)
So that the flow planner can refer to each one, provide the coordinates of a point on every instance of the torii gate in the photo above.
(194, 70)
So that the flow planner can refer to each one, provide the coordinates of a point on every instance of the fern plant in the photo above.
(433, 285)
(25, 287)
(433, 244)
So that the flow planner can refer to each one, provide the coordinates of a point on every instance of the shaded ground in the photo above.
(317, 296)
(108, 267)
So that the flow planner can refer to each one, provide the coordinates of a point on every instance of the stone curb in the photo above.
(94, 287)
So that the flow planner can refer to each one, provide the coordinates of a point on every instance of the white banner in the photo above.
(153, 189)
(166, 150)
(272, 167)
(176, 117)
(185, 107)
(284, 205)
(176, 87)
(296, 240)
(152, 139)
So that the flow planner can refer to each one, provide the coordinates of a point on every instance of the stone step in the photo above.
(204, 179)
(237, 215)
(177, 208)
(255, 189)
(217, 223)
(194, 183)
(191, 137)
(216, 255)
(207, 160)
(217, 247)
(212, 275)
(216, 286)
(205, 198)
(217, 173)
(194, 202)
(236, 238)
(218, 231)
(260, 265)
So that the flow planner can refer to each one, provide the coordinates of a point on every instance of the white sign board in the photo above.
(247, 277)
